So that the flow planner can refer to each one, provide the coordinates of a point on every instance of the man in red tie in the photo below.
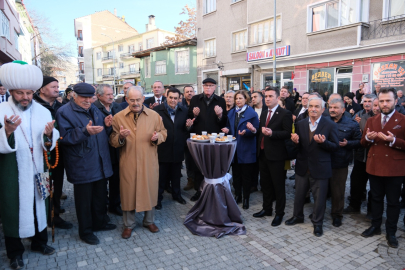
(275, 127)
(385, 137)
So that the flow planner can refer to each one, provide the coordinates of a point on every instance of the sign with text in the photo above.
(321, 76)
(268, 54)
(389, 74)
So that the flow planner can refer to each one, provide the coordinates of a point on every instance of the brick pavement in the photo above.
(264, 247)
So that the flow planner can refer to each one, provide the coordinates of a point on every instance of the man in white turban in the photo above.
(25, 126)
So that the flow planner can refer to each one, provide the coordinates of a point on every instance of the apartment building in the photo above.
(92, 31)
(321, 45)
(113, 62)
(9, 32)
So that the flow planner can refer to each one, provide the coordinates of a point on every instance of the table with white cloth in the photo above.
(216, 212)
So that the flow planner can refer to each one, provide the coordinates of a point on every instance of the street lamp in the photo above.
(113, 59)
(275, 44)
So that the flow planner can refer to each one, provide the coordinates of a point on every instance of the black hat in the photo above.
(349, 95)
(68, 90)
(84, 89)
(47, 80)
(209, 80)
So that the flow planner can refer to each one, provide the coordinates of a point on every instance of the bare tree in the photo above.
(186, 29)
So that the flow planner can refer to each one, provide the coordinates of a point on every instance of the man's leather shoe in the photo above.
(277, 221)
(180, 200)
(152, 228)
(238, 199)
(337, 222)
(107, 227)
(392, 241)
(116, 210)
(292, 177)
(318, 231)
(63, 196)
(126, 233)
(158, 206)
(371, 232)
(262, 213)
(245, 204)
(190, 184)
(44, 249)
(90, 239)
(16, 262)
(196, 196)
(351, 210)
(292, 221)
(62, 224)
(62, 210)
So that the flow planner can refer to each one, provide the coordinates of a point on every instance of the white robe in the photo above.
(27, 188)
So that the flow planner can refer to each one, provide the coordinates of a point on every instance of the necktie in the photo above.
(159, 100)
(2, 98)
(267, 122)
(384, 121)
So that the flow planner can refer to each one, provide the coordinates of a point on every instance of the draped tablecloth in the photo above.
(216, 212)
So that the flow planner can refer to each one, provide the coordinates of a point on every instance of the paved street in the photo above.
(264, 247)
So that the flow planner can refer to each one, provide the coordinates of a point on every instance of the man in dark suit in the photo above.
(158, 98)
(125, 88)
(105, 103)
(171, 152)
(289, 103)
(385, 137)
(209, 113)
(316, 139)
(3, 94)
(302, 111)
(275, 127)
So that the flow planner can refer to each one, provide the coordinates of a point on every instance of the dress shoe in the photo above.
(294, 220)
(107, 227)
(307, 200)
(17, 262)
(292, 177)
(262, 213)
(253, 189)
(371, 232)
(62, 210)
(238, 199)
(190, 184)
(392, 241)
(152, 228)
(116, 210)
(62, 224)
(337, 222)
(90, 239)
(196, 196)
(318, 231)
(245, 204)
(351, 210)
(180, 200)
(158, 206)
(126, 233)
(63, 196)
(44, 249)
(277, 221)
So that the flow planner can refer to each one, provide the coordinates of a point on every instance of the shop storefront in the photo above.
(236, 83)
(282, 79)
(331, 80)
(389, 74)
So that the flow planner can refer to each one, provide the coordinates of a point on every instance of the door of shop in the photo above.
(343, 84)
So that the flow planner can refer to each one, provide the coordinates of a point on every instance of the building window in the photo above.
(149, 43)
(80, 51)
(99, 72)
(134, 68)
(112, 71)
(182, 64)
(131, 48)
(336, 13)
(239, 41)
(147, 67)
(160, 67)
(98, 55)
(210, 48)
(140, 46)
(209, 6)
(321, 80)
(5, 26)
(79, 35)
(120, 48)
(234, 1)
(263, 32)
(81, 67)
(121, 65)
(16, 40)
(393, 9)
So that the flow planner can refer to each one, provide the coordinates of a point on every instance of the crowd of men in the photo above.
(136, 147)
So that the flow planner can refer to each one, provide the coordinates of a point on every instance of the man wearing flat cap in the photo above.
(209, 114)
(25, 127)
(84, 131)
(46, 96)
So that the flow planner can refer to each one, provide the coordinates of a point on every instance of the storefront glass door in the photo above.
(343, 84)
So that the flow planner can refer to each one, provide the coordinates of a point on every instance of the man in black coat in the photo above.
(3, 94)
(289, 103)
(158, 98)
(275, 127)
(316, 139)
(105, 103)
(46, 96)
(209, 113)
(171, 152)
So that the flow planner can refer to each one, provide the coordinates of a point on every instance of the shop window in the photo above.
(268, 80)
(321, 80)
(210, 48)
(239, 40)
(263, 32)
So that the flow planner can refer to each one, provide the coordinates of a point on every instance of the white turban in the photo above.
(20, 75)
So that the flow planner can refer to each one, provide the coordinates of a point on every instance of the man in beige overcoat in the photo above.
(137, 131)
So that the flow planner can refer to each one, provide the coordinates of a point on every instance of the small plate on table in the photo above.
(225, 141)
(200, 141)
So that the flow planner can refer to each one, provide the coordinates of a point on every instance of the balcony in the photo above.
(127, 55)
(79, 55)
(109, 77)
(107, 59)
(130, 74)
(384, 28)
